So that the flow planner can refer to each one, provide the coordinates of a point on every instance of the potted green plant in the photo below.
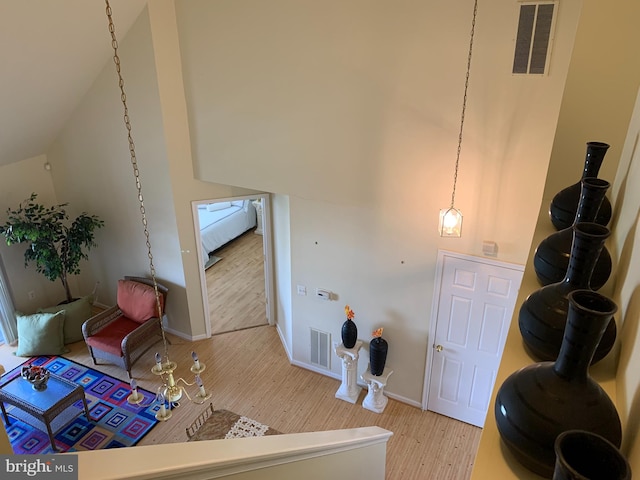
(55, 246)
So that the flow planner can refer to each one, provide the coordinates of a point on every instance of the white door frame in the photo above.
(266, 246)
(435, 306)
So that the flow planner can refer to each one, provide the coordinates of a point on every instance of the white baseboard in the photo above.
(284, 343)
(336, 376)
(402, 399)
(313, 368)
(184, 336)
(361, 384)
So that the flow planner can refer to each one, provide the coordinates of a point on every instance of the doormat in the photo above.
(212, 261)
(223, 424)
(114, 423)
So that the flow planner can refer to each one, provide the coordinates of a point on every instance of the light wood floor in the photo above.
(248, 373)
(235, 285)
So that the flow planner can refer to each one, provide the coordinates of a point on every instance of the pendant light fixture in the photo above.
(450, 224)
(171, 390)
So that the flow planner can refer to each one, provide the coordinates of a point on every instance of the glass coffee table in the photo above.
(47, 410)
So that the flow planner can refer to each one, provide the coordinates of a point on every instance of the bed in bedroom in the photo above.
(221, 222)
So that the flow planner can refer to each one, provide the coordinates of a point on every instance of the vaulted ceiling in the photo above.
(52, 51)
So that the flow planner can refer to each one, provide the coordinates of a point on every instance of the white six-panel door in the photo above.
(473, 306)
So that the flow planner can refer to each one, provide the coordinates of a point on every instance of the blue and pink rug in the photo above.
(115, 423)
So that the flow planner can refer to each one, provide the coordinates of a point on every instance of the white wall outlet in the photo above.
(302, 290)
(490, 248)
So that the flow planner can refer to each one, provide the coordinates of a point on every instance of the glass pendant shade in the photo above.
(450, 222)
(451, 218)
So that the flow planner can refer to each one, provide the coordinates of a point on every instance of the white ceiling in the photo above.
(52, 51)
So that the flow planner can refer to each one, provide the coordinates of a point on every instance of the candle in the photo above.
(158, 362)
(196, 362)
(201, 385)
(163, 410)
(134, 389)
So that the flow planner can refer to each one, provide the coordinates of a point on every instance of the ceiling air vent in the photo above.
(534, 37)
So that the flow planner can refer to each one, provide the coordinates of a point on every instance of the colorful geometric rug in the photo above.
(114, 424)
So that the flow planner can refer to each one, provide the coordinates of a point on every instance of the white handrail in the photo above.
(277, 456)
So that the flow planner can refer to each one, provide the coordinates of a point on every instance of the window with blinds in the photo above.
(533, 40)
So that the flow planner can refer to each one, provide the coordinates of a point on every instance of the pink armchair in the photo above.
(123, 333)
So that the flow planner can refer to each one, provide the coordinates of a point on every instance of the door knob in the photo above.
(439, 348)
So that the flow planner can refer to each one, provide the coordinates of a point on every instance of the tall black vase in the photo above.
(543, 315)
(349, 333)
(551, 259)
(540, 401)
(378, 348)
(564, 205)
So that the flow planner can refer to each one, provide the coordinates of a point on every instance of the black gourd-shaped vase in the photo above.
(378, 348)
(551, 259)
(584, 455)
(349, 333)
(543, 315)
(564, 205)
(540, 401)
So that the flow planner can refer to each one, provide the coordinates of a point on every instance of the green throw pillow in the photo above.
(75, 315)
(40, 334)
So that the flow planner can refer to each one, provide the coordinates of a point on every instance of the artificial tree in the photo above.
(55, 246)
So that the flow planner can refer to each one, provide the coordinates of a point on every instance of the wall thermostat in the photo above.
(323, 294)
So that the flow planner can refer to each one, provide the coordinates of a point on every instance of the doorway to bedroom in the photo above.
(233, 242)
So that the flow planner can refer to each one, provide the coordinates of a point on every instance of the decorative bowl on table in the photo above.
(36, 376)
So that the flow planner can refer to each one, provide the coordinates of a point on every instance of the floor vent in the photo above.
(534, 38)
(320, 348)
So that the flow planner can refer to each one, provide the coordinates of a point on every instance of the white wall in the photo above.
(626, 237)
(353, 118)
(352, 109)
(17, 182)
(617, 373)
(91, 170)
(602, 80)
(282, 268)
(601, 102)
(176, 138)
(91, 161)
(91, 164)
(364, 109)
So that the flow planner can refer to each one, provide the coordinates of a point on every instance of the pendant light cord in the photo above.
(464, 101)
(136, 171)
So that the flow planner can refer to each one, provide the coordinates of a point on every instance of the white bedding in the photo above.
(220, 226)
